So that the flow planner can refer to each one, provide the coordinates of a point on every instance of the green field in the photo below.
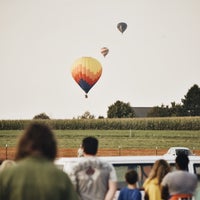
(147, 139)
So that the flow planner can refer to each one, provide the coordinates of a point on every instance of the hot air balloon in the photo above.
(104, 51)
(122, 26)
(86, 71)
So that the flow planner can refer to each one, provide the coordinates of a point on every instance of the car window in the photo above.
(142, 169)
(185, 151)
(197, 172)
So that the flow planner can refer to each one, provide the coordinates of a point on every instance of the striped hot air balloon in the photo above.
(86, 71)
(104, 51)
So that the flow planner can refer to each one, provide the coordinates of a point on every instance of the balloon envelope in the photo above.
(86, 71)
(104, 51)
(122, 26)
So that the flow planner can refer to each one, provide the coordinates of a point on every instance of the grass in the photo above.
(140, 139)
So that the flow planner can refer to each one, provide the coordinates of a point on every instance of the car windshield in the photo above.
(184, 151)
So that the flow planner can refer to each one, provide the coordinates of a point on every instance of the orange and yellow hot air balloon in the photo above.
(86, 71)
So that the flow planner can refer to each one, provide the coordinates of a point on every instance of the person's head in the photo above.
(131, 177)
(159, 170)
(90, 145)
(6, 164)
(38, 139)
(182, 161)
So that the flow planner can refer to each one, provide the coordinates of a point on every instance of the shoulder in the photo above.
(150, 181)
(146, 182)
(137, 190)
(123, 189)
(171, 174)
(92, 161)
(136, 194)
(168, 177)
(185, 174)
(192, 176)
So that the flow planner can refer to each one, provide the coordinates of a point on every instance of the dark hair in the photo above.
(90, 145)
(182, 161)
(131, 176)
(37, 138)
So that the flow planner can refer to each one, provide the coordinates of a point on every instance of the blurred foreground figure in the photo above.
(179, 184)
(7, 164)
(93, 178)
(35, 177)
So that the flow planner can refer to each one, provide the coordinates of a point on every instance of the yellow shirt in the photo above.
(153, 189)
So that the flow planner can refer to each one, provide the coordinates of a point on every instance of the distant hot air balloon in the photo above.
(104, 51)
(86, 71)
(122, 26)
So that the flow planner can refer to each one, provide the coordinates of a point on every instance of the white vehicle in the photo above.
(174, 151)
(142, 164)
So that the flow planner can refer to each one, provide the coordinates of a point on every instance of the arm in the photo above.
(164, 192)
(70, 171)
(70, 190)
(120, 195)
(112, 187)
(164, 187)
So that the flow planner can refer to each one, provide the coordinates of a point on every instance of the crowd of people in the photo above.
(32, 175)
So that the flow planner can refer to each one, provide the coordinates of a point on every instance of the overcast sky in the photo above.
(154, 62)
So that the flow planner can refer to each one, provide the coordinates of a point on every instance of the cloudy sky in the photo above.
(154, 62)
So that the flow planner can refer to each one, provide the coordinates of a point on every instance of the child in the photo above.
(131, 192)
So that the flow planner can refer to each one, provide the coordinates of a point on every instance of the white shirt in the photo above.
(90, 176)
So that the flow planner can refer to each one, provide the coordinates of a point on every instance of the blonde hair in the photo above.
(6, 164)
(159, 170)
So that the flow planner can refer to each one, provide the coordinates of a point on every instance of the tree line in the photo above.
(189, 106)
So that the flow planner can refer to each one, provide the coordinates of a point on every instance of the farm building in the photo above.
(141, 111)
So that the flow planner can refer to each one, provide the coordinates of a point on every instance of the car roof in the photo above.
(179, 148)
(127, 159)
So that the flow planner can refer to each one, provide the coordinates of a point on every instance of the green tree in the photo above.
(41, 116)
(166, 111)
(191, 102)
(176, 110)
(162, 111)
(120, 110)
(101, 117)
(86, 115)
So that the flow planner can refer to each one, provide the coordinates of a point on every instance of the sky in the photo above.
(154, 62)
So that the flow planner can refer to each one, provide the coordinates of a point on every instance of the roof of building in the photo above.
(141, 111)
